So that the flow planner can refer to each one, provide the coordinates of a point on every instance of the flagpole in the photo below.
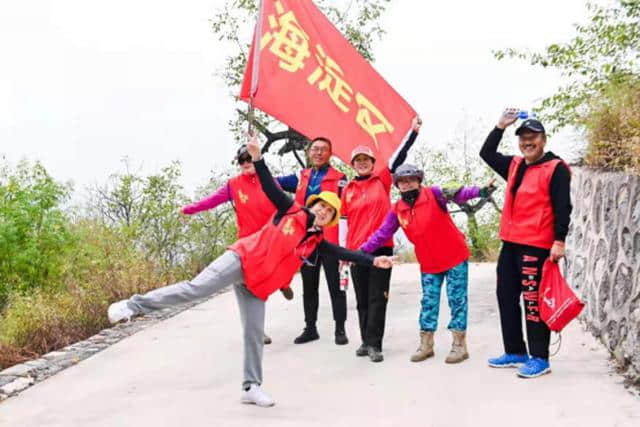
(255, 68)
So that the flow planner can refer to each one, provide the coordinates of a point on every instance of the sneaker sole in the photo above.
(115, 321)
(251, 402)
(546, 371)
(507, 365)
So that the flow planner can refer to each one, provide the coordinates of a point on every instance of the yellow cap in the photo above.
(332, 199)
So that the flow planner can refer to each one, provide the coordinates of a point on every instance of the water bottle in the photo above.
(344, 279)
(524, 115)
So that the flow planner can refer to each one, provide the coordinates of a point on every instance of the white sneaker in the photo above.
(119, 311)
(256, 396)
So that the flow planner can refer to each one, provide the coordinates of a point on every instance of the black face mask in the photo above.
(410, 197)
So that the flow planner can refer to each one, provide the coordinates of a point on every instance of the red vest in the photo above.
(528, 218)
(271, 257)
(366, 203)
(439, 245)
(253, 207)
(330, 182)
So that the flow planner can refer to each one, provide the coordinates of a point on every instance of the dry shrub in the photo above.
(613, 128)
(11, 355)
(105, 268)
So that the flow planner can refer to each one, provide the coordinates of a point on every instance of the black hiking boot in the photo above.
(309, 334)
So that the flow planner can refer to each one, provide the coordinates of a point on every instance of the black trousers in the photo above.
(310, 284)
(519, 272)
(371, 285)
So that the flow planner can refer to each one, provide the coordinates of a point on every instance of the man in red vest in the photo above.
(253, 208)
(534, 224)
(320, 177)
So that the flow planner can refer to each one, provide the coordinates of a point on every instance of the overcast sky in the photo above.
(85, 83)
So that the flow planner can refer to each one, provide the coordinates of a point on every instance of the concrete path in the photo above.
(186, 371)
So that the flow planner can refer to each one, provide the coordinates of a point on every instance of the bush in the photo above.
(58, 275)
(34, 230)
(613, 128)
(105, 267)
(483, 239)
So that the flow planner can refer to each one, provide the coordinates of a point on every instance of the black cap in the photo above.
(241, 151)
(530, 124)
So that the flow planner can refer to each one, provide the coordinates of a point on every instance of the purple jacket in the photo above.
(391, 224)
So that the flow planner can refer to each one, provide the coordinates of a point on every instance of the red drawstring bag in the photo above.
(558, 304)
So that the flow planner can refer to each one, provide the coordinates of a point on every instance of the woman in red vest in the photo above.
(534, 224)
(253, 208)
(320, 177)
(441, 250)
(365, 203)
(257, 266)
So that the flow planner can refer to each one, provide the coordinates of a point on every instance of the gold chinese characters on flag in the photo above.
(308, 76)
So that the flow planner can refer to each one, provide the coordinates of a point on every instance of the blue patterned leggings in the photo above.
(457, 295)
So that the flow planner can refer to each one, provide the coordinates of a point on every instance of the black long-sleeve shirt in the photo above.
(283, 203)
(559, 189)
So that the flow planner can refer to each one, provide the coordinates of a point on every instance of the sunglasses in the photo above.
(244, 159)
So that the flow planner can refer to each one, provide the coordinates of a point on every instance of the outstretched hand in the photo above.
(508, 117)
(253, 147)
(384, 261)
(416, 123)
(491, 186)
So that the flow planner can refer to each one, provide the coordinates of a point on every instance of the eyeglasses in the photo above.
(244, 159)
(319, 150)
(527, 137)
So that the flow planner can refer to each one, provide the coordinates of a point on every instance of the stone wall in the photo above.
(603, 259)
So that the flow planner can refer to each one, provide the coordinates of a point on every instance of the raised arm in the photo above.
(400, 155)
(489, 151)
(279, 198)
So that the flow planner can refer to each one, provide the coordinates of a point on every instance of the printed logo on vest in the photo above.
(349, 196)
(288, 227)
(243, 197)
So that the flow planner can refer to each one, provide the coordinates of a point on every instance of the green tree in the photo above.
(358, 20)
(604, 52)
(34, 228)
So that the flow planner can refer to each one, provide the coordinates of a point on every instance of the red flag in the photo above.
(310, 78)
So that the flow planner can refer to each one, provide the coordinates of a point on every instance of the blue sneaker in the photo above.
(535, 367)
(508, 360)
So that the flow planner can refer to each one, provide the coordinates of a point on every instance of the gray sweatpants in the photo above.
(226, 270)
